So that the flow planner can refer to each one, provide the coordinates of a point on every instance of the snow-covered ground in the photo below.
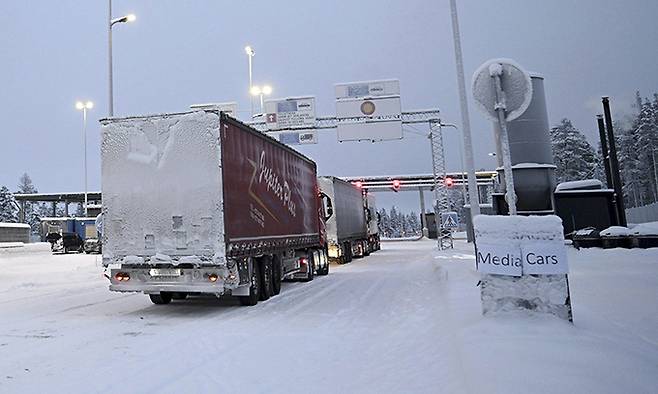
(406, 319)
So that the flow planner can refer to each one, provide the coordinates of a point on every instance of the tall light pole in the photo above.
(84, 106)
(111, 22)
(261, 91)
(250, 54)
(466, 123)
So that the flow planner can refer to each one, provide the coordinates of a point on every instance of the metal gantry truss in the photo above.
(441, 203)
(431, 116)
(331, 122)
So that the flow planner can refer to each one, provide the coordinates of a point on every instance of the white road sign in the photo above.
(387, 87)
(290, 113)
(370, 119)
(297, 137)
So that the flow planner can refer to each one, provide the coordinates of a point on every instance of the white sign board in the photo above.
(500, 259)
(388, 87)
(449, 220)
(290, 113)
(372, 119)
(297, 137)
(544, 258)
(230, 109)
(528, 258)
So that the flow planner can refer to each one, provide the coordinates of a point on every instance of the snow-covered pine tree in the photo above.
(384, 223)
(32, 217)
(8, 208)
(395, 223)
(645, 145)
(573, 155)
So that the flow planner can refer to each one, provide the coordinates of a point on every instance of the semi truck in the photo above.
(200, 203)
(347, 228)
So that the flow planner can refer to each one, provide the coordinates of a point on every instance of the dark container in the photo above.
(616, 242)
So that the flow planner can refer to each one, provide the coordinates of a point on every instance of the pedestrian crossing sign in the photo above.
(449, 220)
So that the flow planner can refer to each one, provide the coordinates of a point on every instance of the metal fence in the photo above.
(647, 213)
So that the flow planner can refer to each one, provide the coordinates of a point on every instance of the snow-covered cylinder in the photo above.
(529, 137)
(531, 154)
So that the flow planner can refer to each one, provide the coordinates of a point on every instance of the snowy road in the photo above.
(405, 319)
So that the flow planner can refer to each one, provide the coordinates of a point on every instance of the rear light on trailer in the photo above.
(213, 277)
(303, 261)
(122, 276)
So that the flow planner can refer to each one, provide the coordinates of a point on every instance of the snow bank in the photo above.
(14, 225)
(587, 184)
(11, 244)
(616, 231)
(650, 228)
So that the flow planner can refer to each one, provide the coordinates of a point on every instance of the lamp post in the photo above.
(250, 54)
(84, 106)
(261, 91)
(111, 22)
(466, 123)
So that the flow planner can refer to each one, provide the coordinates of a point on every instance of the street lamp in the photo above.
(112, 22)
(250, 53)
(84, 106)
(258, 91)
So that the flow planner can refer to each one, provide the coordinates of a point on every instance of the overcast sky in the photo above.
(180, 53)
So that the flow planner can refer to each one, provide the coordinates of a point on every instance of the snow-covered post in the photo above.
(496, 72)
(503, 92)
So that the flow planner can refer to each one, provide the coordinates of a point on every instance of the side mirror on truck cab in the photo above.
(328, 207)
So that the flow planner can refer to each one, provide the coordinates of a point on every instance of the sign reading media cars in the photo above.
(527, 257)
(290, 113)
(369, 111)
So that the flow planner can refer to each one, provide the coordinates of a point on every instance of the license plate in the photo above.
(160, 272)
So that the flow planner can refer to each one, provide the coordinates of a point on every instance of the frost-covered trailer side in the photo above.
(347, 228)
(198, 202)
(372, 218)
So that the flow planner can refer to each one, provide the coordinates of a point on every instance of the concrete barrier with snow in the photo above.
(14, 232)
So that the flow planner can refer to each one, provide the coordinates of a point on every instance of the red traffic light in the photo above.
(396, 185)
(448, 182)
(358, 184)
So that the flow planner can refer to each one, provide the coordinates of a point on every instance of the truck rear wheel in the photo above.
(348, 252)
(254, 288)
(160, 299)
(324, 269)
(265, 263)
(276, 275)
